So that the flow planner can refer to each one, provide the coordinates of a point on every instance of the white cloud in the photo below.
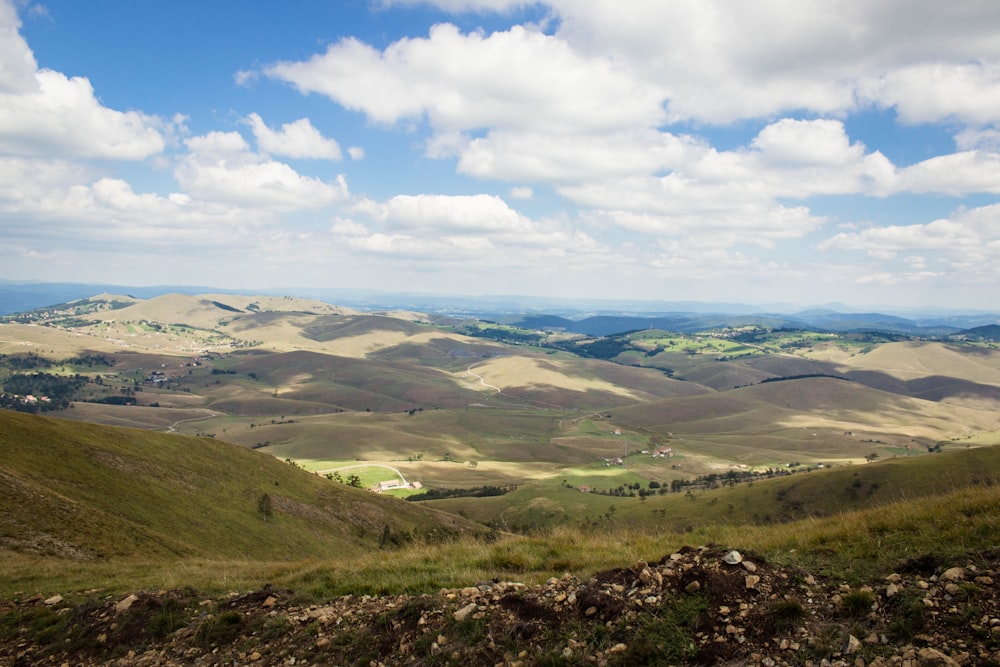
(929, 61)
(955, 174)
(45, 113)
(518, 78)
(480, 231)
(987, 139)
(298, 139)
(51, 203)
(356, 153)
(967, 236)
(729, 60)
(220, 167)
(806, 142)
(447, 214)
(934, 92)
(522, 192)
(562, 157)
(17, 62)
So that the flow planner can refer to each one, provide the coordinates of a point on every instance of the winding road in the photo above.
(366, 465)
(173, 427)
(481, 380)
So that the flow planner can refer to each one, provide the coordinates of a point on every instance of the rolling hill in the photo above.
(88, 492)
(456, 403)
(767, 433)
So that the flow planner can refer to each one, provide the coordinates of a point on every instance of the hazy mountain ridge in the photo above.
(597, 317)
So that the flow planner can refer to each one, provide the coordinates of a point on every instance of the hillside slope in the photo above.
(85, 492)
(816, 405)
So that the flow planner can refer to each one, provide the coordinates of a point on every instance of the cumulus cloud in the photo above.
(479, 229)
(936, 91)
(807, 142)
(560, 157)
(766, 58)
(220, 167)
(519, 78)
(928, 61)
(955, 174)
(446, 214)
(969, 239)
(45, 113)
(298, 139)
(56, 200)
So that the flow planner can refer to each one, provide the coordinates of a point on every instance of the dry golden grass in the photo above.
(911, 360)
(524, 371)
(132, 416)
(51, 342)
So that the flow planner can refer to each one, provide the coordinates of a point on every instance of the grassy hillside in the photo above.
(940, 509)
(784, 497)
(92, 492)
(839, 418)
(452, 405)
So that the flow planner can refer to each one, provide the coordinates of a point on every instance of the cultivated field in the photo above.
(329, 388)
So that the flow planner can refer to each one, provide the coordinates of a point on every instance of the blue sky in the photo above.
(770, 152)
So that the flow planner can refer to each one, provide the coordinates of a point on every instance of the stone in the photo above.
(852, 645)
(464, 612)
(749, 566)
(733, 558)
(953, 574)
(693, 587)
(892, 590)
(54, 600)
(751, 581)
(931, 657)
(126, 603)
(322, 643)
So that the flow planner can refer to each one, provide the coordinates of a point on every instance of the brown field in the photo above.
(315, 383)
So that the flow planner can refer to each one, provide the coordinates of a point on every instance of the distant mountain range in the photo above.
(592, 317)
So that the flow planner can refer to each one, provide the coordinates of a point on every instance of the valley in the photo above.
(228, 478)
(462, 403)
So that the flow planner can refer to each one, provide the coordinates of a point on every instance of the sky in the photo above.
(779, 151)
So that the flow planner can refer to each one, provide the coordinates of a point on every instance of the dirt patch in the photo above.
(697, 606)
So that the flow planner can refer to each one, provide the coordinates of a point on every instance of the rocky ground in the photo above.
(702, 605)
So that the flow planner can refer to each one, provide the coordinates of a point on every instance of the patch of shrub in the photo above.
(906, 616)
(666, 637)
(224, 628)
(784, 615)
(858, 603)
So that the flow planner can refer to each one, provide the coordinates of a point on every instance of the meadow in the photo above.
(456, 404)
